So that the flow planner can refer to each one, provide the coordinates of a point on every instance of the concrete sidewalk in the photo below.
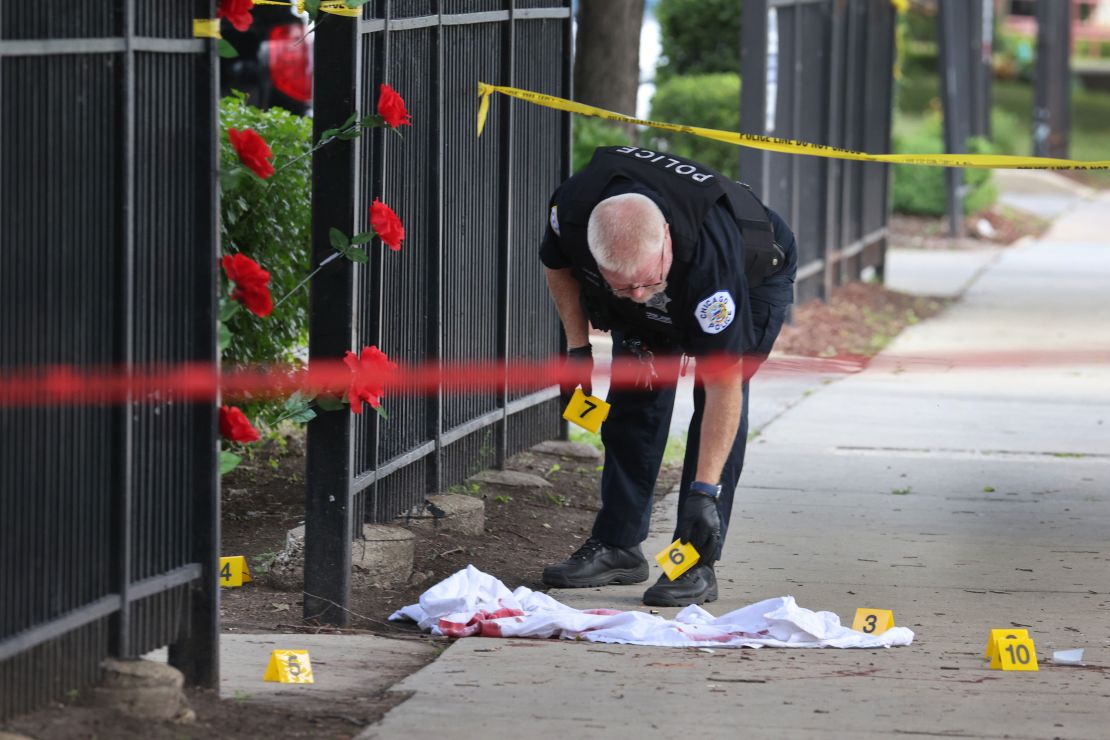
(963, 499)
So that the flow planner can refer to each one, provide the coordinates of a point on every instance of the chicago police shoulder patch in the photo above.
(716, 312)
(555, 220)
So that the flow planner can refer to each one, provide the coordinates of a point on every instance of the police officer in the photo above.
(677, 261)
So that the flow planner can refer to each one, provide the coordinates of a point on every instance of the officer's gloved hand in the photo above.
(700, 524)
(578, 372)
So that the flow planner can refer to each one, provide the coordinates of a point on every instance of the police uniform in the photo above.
(728, 290)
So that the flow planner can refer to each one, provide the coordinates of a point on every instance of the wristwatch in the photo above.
(706, 489)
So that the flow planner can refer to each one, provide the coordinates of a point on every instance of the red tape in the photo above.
(75, 386)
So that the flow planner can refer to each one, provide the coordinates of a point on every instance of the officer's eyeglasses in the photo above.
(662, 279)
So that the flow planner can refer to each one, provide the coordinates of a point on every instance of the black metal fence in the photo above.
(465, 286)
(821, 71)
(108, 514)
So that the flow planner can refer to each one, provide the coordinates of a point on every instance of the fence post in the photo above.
(1052, 104)
(981, 49)
(198, 654)
(753, 96)
(328, 505)
(121, 542)
(955, 70)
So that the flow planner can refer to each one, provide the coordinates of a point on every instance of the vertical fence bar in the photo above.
(834, 174)
(505, 235)
(121, 630)
(328, 504)
(435, 277)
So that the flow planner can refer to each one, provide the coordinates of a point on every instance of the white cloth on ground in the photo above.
(471, 602)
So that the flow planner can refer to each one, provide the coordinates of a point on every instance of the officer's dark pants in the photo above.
(635, 435)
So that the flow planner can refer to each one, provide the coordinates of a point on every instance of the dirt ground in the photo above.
(227, 720)
(525, 528)
(998, 225)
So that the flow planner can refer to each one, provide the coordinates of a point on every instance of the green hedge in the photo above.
(270, 222)
(590, 133)
(710, 101)
(923, 190)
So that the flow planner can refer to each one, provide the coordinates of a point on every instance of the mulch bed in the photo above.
(858, 320)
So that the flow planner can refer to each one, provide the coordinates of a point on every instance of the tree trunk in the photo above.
(607, 54)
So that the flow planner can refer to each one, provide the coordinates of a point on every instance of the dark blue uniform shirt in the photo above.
(708, 299)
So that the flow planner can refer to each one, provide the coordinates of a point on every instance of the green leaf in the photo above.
(226, 50)
(338, 239)
(350, 120)
(312, 7)
(364, 238)
(228, 308)
(355, 4)
(328, 134)
(349, 135)
(330, 403)
(228, 461)
(231, 179)
(224, 335)
(372, 120)
(295, 401)
(382, 413)
(357, 256)
(303, 417)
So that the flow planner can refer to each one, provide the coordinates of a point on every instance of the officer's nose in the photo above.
(637, 292)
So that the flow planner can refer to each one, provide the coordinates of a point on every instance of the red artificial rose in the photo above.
(253, 151)
(370, 371)
(250, 283)
(237, 12)
(387, 225)
(391, 107)
(235, 426)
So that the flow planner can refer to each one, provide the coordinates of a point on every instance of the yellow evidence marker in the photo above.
(1012, 650)
(873, 621)
(586, 411)
(234, 571)
(677, 558)
(1003, 634)
(289, 666)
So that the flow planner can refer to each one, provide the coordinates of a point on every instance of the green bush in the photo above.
(1010, 134)
(590, 133)
(270, 222)
(698, 37)
(709, 101)
(922, 190)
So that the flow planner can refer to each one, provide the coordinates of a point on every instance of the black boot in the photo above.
(598, 564)
(696, 586)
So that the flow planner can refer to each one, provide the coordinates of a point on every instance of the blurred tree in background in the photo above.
(698, 37)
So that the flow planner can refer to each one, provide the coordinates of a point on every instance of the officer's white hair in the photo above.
(624, 232)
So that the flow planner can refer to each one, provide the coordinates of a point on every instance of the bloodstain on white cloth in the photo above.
(472, 603)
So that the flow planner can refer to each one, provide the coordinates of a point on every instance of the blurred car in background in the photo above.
(274, 66)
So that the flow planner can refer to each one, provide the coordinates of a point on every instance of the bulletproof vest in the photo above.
(690, 190)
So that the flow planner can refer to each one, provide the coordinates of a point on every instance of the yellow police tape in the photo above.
(788, 146)
(335, 7)
(206, 28)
